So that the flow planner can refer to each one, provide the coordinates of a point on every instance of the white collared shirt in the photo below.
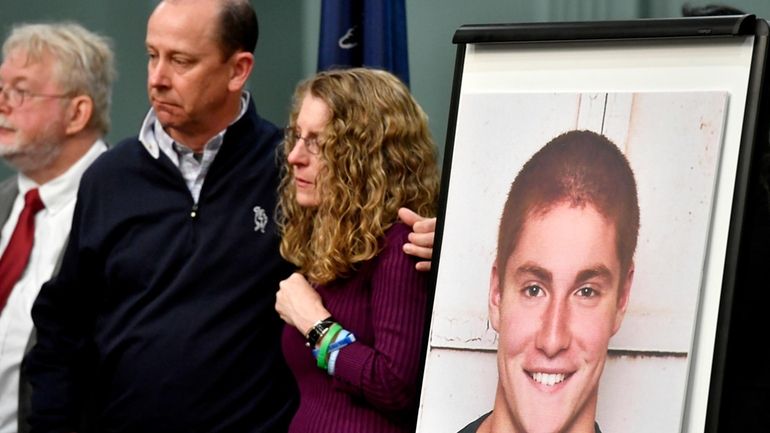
(52, 227)
(193, 170)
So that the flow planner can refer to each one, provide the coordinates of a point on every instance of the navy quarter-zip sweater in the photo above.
(162, 318)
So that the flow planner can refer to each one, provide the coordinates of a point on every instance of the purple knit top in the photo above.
(374, 387)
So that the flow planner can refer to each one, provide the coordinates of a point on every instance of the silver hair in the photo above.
(85, 63)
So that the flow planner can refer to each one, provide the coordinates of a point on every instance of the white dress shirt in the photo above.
(52, 227)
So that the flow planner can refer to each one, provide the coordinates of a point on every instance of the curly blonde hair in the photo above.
(378, 155)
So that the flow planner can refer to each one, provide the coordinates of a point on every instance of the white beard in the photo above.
(28, 153)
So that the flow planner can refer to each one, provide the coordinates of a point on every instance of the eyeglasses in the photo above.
(312, 142)
(15, 97)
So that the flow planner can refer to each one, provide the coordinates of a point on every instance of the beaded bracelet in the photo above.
(323, 351)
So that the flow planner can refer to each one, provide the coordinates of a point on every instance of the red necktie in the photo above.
(16, 254)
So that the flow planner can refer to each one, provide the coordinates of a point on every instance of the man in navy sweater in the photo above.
(161, 318)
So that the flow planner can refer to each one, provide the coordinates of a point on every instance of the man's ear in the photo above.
(495, 294)
(241, 65)
(624, 294)
(79, 112)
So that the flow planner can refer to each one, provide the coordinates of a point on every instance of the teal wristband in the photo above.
(323, 351)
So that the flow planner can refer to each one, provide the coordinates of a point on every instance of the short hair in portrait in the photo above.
(577, 168)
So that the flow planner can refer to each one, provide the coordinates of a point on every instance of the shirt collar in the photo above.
(60, 191)
(154, 138)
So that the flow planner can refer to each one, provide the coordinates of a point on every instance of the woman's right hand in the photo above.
(299, 304)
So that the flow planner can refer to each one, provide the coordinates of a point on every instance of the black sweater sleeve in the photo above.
(58, 365)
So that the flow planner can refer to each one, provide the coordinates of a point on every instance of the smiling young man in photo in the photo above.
(560, 284)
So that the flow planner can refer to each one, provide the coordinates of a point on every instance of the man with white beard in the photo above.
(55, 92)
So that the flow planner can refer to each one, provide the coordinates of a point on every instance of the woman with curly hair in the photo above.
(357, 149)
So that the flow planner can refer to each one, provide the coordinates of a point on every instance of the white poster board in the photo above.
(675, 108)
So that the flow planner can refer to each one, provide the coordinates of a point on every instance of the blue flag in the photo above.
(364, 33)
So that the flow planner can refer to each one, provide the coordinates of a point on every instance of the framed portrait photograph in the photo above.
(592, 188)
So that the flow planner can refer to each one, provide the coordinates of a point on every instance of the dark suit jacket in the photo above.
(8, 190)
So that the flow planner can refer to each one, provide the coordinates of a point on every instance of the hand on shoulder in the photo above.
(421, 239)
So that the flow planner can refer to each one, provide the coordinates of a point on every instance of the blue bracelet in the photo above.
(344, 338)
(332, 362)
(339, 344)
